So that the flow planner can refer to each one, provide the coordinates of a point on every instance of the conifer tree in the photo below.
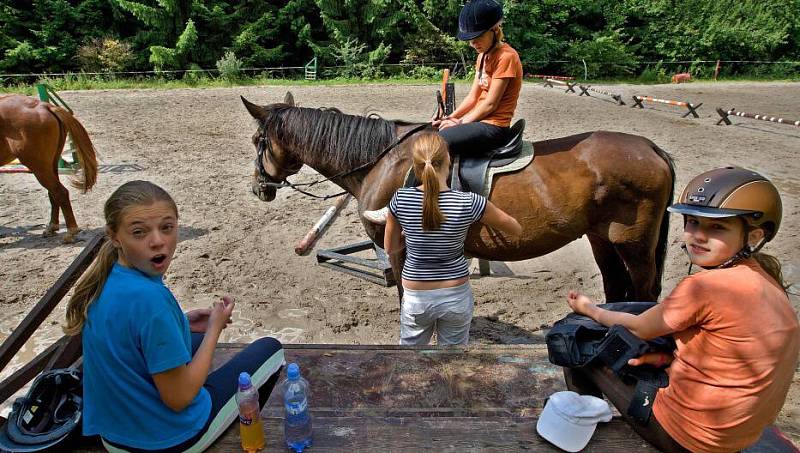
(170, 22)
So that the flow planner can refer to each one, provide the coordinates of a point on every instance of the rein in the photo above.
(265, 180)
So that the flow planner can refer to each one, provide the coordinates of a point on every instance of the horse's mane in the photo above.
(328, 136)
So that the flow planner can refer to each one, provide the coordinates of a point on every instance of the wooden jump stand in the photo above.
(585, 89)
(570, 85)
(691, 107)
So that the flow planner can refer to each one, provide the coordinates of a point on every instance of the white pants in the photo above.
(448, 310)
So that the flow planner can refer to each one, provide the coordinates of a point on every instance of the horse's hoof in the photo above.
(50, 231)
(71, 237)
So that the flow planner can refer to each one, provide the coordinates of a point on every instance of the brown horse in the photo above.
(610, 186)
(34, 132)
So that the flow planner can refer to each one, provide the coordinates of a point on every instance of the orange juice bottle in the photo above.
(251, 430)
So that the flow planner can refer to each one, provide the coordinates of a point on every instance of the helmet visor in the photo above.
(706, 211)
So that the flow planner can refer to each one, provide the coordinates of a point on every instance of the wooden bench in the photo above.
(388, 398)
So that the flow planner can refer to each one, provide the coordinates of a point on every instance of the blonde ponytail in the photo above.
(430, 155)
(90, 285)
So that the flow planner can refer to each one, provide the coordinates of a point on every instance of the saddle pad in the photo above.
(523, 159)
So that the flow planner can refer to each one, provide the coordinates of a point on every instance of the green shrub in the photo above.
(104, 55)
(229, 67)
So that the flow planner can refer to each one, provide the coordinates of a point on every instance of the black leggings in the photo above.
(600, 380)
(221, 386)
(474, 138)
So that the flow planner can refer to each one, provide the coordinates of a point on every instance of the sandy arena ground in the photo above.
(196, 144)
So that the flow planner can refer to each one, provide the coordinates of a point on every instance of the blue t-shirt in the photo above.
(133, 330)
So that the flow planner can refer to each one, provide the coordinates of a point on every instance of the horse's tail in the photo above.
(87, 157)
(661, 246)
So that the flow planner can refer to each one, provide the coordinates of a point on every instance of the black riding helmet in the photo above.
(477, 17)
(47, 415)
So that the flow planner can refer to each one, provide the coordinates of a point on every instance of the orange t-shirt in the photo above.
(737, 348)
(501, 63)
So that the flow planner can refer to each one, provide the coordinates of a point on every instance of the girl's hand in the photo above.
(449, 122)
(220, 315)
(657, 359)
(198, 320)
(579, 303)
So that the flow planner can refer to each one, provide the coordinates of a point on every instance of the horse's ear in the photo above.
(288, 99)
(256, 111)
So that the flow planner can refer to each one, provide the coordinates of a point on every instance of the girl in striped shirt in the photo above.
(435, 221)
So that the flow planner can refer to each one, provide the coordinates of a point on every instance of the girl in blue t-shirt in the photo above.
(435, 221)
(146, 364)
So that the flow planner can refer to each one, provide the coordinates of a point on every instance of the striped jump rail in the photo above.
(585, 89)
(554, 77)
(692, 107)
(570, 85)
(724, 114)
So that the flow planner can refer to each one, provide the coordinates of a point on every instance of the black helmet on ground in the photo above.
(478, 17)
(47, 415)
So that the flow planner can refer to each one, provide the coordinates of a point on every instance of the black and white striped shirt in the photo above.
(439, 254)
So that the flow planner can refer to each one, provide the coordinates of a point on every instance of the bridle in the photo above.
(264, 180)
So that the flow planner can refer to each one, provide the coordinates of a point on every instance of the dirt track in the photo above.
(195, 143)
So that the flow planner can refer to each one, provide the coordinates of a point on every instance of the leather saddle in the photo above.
(469, 172)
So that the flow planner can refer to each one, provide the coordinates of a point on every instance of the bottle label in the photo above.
(297, 408)
(247, 421)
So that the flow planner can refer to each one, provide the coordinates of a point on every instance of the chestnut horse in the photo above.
(612, 187)
(35, 132)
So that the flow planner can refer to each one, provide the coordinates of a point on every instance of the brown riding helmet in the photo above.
(733, 191)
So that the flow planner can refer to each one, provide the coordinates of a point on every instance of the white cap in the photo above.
(568, 420)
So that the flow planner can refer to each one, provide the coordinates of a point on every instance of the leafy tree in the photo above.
(170, 22)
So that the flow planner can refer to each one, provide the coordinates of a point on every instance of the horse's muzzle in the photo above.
(263, 192)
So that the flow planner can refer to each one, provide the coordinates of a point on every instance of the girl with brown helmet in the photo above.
(435, 221)
(482, 120)
(737, 336)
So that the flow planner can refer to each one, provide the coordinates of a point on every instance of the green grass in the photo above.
(83, 82)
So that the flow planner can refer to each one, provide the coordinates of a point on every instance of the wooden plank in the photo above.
(455, 434)
(392, 398)
(381, 381)
(30, 370)
(49, 301)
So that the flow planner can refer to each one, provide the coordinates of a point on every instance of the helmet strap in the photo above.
(483, 58)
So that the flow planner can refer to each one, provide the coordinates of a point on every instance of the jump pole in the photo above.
(307, 243)
(570, 86)
(756, 116)
(585, 89)
(692, 107)
(554, 77)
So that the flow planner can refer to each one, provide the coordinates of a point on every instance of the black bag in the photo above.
(576, 340)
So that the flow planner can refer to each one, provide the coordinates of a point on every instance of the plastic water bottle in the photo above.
(251, 430)
(297, 421)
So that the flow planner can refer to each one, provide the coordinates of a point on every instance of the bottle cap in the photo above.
(293, 372)
(244, 380)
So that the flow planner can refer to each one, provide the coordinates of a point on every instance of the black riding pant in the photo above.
(474, 138)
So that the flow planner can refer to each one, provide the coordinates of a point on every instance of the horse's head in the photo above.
(273, 163)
